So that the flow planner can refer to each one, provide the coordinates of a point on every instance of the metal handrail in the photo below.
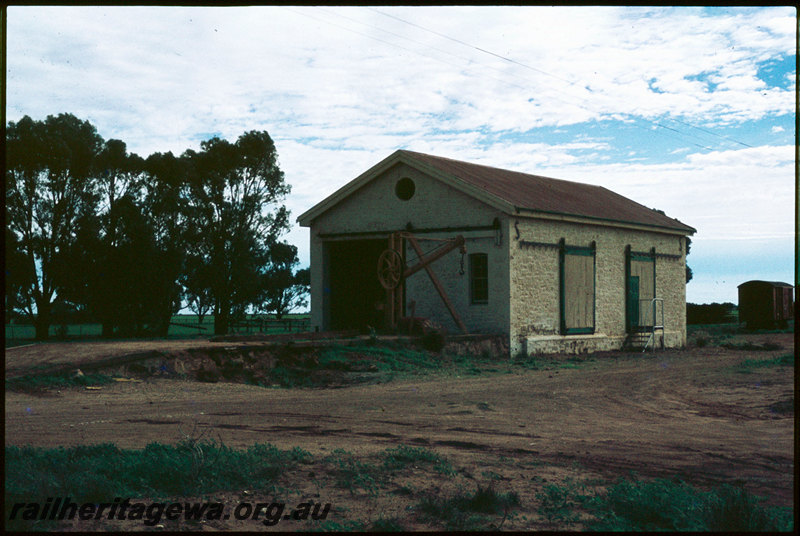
(655, 325)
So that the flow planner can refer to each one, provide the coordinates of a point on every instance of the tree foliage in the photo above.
(284, 287)
(94, 228)
(231, 188)
(689, 273)
(49, 187)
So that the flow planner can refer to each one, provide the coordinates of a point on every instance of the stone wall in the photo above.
(534, 287)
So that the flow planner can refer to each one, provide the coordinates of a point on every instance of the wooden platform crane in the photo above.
(392, 272)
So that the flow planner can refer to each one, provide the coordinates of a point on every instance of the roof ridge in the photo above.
(539, 193)
(504, 170)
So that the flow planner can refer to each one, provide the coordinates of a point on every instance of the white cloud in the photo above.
(312, 68)
(776, 129)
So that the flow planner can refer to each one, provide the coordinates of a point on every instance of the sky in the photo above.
(689, 110)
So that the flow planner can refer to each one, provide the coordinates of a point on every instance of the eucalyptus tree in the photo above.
(236, 214)
(120, 175)
(114, 256)
(165, 202)
(284, 287)
(50, 185)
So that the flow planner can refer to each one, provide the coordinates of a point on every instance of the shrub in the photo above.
(711, 313)
(464, 511)
(662, 505)
(403, 455)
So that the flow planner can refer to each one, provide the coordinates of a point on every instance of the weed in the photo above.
(557, 503)
(489, 501)
(752, 347)
(466, 512)
(97, 472)
(352, 474)
(747, 366)
(34, 382)
(387, 525)
(339, 526)
(674, 505)
(398, 458)
(732, 509)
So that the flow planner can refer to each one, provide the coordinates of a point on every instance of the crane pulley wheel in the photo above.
(390, 269)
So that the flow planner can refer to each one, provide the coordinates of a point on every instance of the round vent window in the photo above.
(404, 189)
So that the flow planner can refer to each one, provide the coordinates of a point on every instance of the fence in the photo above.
(181, 326)
(272, 325)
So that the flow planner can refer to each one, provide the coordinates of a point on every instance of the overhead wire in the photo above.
(681, 136)
(510, 60)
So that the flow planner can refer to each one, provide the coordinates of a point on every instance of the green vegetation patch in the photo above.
(352, 474)
(33, 382)
(558, 503)
(368, 363)
(403, 456)
(666, 505)
(468, 511)
(748, 365)
(97, 472)
(752, 347)
(534, 362)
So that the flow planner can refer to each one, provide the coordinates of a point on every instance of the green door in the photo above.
(633, 303)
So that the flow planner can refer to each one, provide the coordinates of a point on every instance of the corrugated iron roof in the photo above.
(554, 196)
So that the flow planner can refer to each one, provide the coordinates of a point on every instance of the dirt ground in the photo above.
(55, 356)
(681, 413)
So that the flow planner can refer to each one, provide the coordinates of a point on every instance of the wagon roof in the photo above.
(758, 282)
(515, 192)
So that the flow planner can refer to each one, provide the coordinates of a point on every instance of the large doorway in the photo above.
(641, 289)
(352, 289)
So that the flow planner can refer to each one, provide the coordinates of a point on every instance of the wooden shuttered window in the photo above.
(577, 267)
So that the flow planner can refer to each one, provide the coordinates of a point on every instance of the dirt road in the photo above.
(675, 413)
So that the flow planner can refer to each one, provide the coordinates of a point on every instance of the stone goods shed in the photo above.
(555, 266)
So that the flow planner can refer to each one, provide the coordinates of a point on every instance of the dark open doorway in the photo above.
(353, 289)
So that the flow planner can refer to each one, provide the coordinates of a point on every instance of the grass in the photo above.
(662, 505)
(667, 505)
(403, 456)
(370, 363)
(184, 326)
(194, 468)
(352, 474)
(387, 525)
(748, 365)
(751, 347)
(465, 511)
(559, 502)
(33, 382)
(534, 362)
(97, 473)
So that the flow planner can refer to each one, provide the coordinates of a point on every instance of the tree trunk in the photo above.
(42, 322)
(164, 319)
(107, 329)
(222, 316)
